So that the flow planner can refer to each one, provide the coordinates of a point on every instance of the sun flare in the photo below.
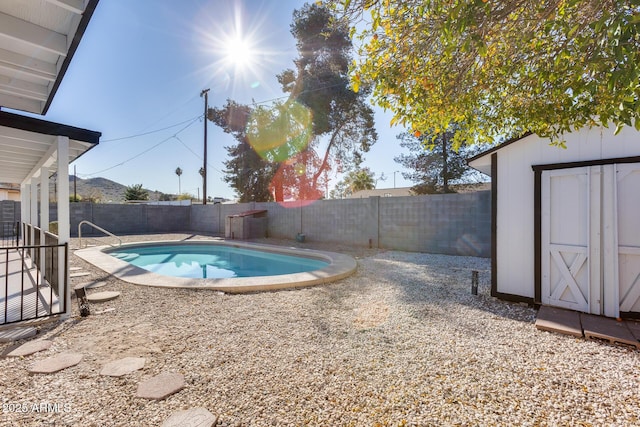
(239, 52)
(238, 44)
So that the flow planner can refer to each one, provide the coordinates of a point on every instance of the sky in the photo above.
(138, 74)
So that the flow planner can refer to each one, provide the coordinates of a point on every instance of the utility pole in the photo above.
(205, 93)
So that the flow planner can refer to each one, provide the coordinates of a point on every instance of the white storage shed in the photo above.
(566, 222)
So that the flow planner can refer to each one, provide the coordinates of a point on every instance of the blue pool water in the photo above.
(214, 261)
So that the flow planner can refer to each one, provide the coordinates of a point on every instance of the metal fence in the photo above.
(9, 233)
(30, 280)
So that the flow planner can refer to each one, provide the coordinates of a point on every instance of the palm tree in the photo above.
(179, 172)
(360, 179)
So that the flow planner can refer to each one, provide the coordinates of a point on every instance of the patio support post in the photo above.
(24, 203)
(63, 219)
(33, 213)
(44, 213)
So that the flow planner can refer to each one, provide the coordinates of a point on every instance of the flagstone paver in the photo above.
(95, 285)
(120, 367)
(28, 348)
(17, 333)
(72, 275)
(55, 363)
(103, 296)
(194, 417)
(161, 386)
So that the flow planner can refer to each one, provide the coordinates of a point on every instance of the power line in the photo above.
(145, 151)
(199, 115)
(190, 122)
(199, 157)
(151, 131)
(304, 91)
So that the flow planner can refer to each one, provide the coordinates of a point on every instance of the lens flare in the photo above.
(295, 183)
(280, 132)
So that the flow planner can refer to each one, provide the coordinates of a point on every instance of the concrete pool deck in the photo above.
(340, 266)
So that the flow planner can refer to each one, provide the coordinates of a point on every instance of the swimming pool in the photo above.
(214, 261)
(322, 266)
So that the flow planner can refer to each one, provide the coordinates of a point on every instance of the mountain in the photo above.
(102, 189)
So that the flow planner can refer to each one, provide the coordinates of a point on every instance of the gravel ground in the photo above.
(400, 343)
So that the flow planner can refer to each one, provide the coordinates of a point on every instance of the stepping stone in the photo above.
(121, 367)
(55, 363)
(95, 285)
(103, 296)
(28, 348)
(72, 275)
(160, 386)
(608, 329)
(17, 333)
(194, 417)
(558, 320)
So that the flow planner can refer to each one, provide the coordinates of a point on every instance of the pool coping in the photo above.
(340, 266)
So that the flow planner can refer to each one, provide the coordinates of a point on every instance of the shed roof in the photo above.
(254, 212)
(482, 162)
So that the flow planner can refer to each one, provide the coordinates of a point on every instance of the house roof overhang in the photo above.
(27, 145)
(38, 39)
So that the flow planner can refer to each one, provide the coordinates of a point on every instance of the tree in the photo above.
(320, 84)
(247, 172)
(135, 192)
(434, 161)
(179, 172)
(503, 67)
(186, 196)
(356, 180)
(276, 150)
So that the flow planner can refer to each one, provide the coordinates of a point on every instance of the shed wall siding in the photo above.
(515, 208)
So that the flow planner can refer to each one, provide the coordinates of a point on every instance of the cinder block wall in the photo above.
(454, 224)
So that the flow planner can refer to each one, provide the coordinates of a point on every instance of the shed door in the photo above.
(590, 257)
(628, 236)
(566, 223)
